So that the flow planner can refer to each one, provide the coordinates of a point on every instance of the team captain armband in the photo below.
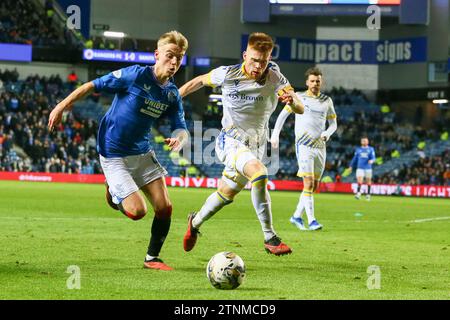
(285, 90)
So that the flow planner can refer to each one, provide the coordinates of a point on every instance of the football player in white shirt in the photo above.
(249, 95)
(310, 143)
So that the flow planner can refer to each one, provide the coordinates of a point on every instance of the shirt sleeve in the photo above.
(176, 115)
(354, 159)
(331, 113)
(372, 154)
(216, 76)
(116, 81)
(282, 84)
(284, 114)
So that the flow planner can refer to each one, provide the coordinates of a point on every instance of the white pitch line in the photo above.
(430, 219)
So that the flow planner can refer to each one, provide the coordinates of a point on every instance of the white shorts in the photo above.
(364, 173)
(234, 154)
(127, 175)
(311, 161)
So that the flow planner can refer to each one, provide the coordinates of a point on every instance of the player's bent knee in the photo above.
(308, 183)
(136, 212)
(164, 212)
(254, 166)
(260, 178)
(227, 194)
(316, 185)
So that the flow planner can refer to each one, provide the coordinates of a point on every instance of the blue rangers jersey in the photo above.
(139, 100)
(361, 158)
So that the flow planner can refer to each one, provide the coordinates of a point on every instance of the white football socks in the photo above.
(262, 204)
(214, 203)
(308, 202)
(300, 207)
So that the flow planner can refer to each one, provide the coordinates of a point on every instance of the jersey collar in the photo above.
(261, 80)
(310, 94)
(245, 72)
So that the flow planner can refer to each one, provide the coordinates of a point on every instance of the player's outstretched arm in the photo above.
(290, 97)
(193, 85)
(275, 138)
(67, 104)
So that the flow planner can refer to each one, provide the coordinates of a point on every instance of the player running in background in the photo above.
(310, 143)
(142, 95)
(249, 95)
(362, 161)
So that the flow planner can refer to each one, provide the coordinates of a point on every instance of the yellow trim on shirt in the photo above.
(331, 116)
(284, 90)
(288, 109)
(209, 82)
(245, 72)
(310, 94)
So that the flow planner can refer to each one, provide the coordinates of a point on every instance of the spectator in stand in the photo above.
(26, 22)
(446, 175)
(72, 79)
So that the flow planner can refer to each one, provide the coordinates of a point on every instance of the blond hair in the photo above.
(173, 37)
(260, 42)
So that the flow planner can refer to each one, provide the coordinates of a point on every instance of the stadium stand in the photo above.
(27, 22)
(26, 144)
(406, 153)
(394, 138)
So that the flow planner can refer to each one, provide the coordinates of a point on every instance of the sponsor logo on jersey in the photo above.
(154, 108)
(235, 95)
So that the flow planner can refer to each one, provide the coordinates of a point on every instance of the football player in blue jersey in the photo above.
(362, 161)
(142, 95)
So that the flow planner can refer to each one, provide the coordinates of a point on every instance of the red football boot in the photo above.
(156, 264)
(276, 247)
(190, 237)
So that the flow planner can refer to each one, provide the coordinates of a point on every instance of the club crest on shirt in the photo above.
(171, 97)
(117, 73)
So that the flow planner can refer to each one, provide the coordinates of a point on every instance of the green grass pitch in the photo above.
(47, 227)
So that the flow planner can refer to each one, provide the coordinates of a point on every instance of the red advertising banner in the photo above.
(286, 185)
(52, 177)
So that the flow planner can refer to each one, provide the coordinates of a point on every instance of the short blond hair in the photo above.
(173, 37)
(260, 42)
